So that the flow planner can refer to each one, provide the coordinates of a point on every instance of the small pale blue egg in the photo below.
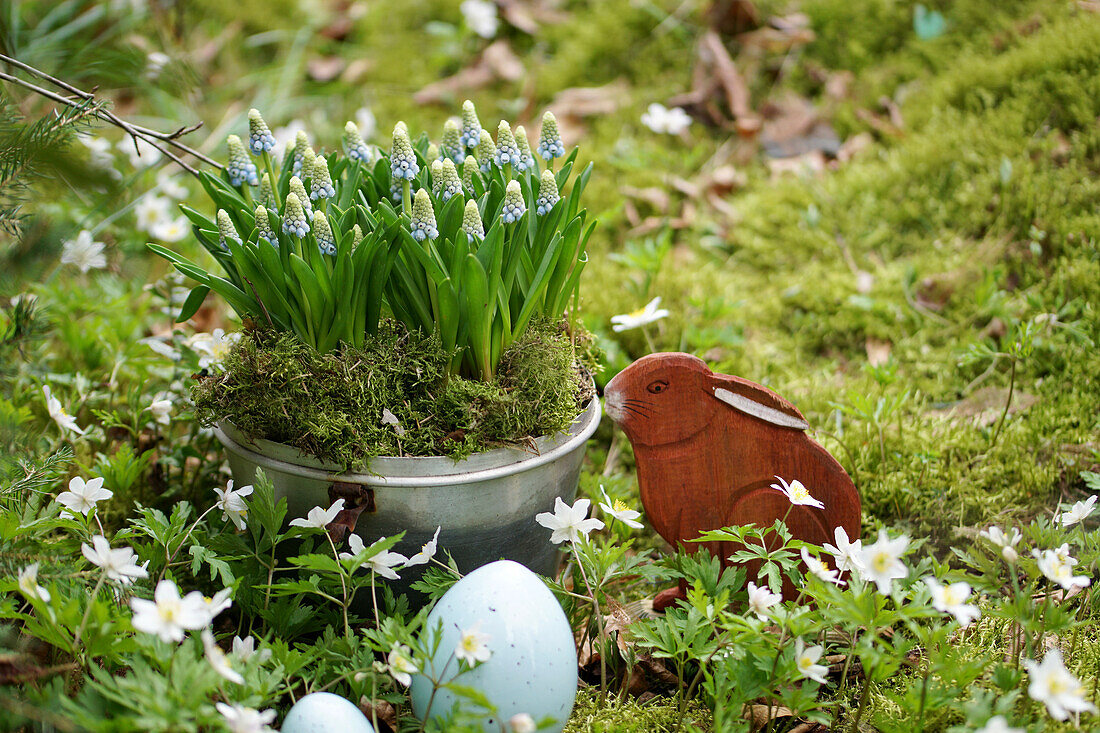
(533, 663)
(323, 712)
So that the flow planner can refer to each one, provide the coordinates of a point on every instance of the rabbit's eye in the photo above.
(657, 387)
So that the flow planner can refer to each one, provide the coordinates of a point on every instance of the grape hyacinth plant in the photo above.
(326, 243)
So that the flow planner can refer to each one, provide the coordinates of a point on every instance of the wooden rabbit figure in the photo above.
(708, 448)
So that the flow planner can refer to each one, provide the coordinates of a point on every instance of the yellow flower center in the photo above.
(620, 506)
(881, 561)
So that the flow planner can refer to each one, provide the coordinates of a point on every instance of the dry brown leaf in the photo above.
(496, 62)
(882, 126)
(760, 715)
(572, 105)
(792, 127)
(1092, 6)
(878, 352)
(781, 35)
(658, 198)
(854, 145)
(984, 406)
(733, 84)
(809, 164)
(838, 85)
(325, 68)
(357, 69)
(730, 17)
(383, 711)
(527, 15)
(659, 670)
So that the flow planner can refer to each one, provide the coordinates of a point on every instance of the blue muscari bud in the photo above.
(507, 152)
(396, 193)
(299, 190)
(226, 230)
(526, 159)
(241, 169)
(354, 145)
(260, 138)
(322, 232)
(469, 170)
(486, 151)
(320, 181)
(446, 182)
(263, 227)
(451, 145)
(548, 193)
(471, 125)
(550, 144)
(294, 218)
(267, 193)
(303, 154)
(423, 217)
(514, 206)
(471, 222)
(403, 165)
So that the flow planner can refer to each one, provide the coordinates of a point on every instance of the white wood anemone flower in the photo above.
(161, 411)
(244, 649)
(761, 599)
(820, 569)
(481, 17)
(650, 313)
(665, 120)
(213, 347)
(1057, 566)
(319, 518)
(82, 495)
(169, 616)
(83, 252)
(998, 724)
(1006, 541)
(473, 646)
(952, 599)
(1054, 686)
(619, 510)
(28, 583)
(427, 551)
(848, 555)
(806, 661)
(218, 659)
(568, 523)
(60, 416)
(232, 503)
(400, 664)
(882, 561)
(1078, 512)
(240, 719)
(522, 723)
(798, 494)
(382, 563)
(119, 563)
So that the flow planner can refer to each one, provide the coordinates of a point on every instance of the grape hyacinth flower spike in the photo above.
(451, 145)
(294, 218)
(471, 126)
(263, 227)
(486, 151)
(260, 139)
(507, 152)
(548, 193)
(433, 152)
(403, 165)
(469, 170)
(301, 152)
(226, 230)
(354, 145)
(514, 206)
(550, 144)
(322, 232)
(471, 222)
(526, 159)
(267, 193)
(241, 169)
(299, 190)
(320, 182)
(446, 181)
(423, 218)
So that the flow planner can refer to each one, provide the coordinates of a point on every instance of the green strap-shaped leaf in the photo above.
(194, 301)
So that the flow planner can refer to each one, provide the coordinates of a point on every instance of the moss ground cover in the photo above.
(929, 304)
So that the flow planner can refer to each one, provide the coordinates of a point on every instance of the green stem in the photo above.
(406, 197)
(88, 610)
(599, 625)
(1008, 403)
(343, 585)
(270, 168)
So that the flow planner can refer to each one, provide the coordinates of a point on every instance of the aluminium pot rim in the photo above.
(438, 470)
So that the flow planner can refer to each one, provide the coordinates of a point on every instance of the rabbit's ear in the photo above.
(756, 401)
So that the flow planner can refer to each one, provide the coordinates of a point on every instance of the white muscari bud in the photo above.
(514, 206)
(471, 222)
(403, 165)
(507, 152)
(241, 169)
(550, 144)
(354, 145)
(469, 170)
(548, 193)
(303, 154)
(423, 217)
(294, 218)
(526, 159)
(320, 182)
(322, 232)
(451, 145)
(263, 227)
(471, 125)
(299, 190)
(486, 151)
(226, 230)
(446, 182)
(260, 139)
(356, 236)
(267, 193)
(433, 152)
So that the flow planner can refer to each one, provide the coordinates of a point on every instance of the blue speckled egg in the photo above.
(533, 664)
(323, 712)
